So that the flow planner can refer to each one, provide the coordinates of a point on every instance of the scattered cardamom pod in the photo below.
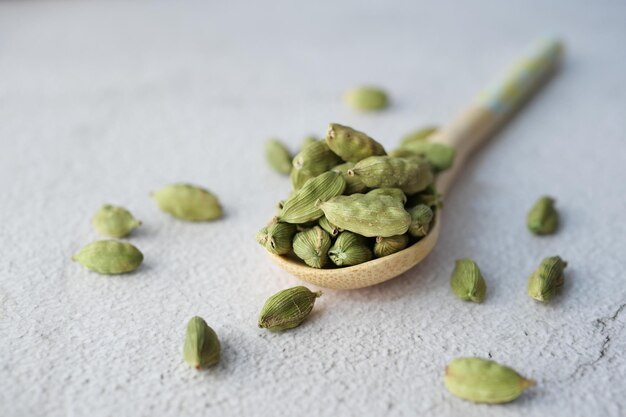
(418, 135)
(315, 158)
(467, 282)
(440, 156)
(409, 174)
(351, 145)
(188, 202)
(202, 347)
(350, 249)
(328, 227)
(421, 217)
(368, 215)
(287, 308)
(277, 237)
(312, 246)
(544, 282)
(366, 98)
(543, 219)
(114, 221)
(278, 156)
(353, 184)
(392, 192)
(302, 205)
(484, 381)
(385, 246)
(109, 257)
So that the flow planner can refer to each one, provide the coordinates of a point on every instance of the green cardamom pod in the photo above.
(484, 381)
(392, 192)
(278, 156)
(353, 184)
(114, 221)
(385, 246)
(544, 282)
(188, 202)
(277, 237)
(302, 205)
(350, 249)
(440, 156)
(368, 215)
(202, 347)
(351, 145)
(421, 217)
(299, 177)
(366, 98)
(315, 158)
(543, 219)
(328, 227)
(109, 257)
(467, 282)
(409, 174)
(287, 308)
(419, 135)
(312, 246)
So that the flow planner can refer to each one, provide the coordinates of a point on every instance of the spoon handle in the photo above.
(495, 105)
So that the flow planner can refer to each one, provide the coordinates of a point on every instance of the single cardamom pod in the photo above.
(278, 156)
(409, 174)
(312, 246)
(188, 202)
(109, 257)
(350, 249)
(544, 282)
(419, 135)
(440, 156)
(302, 205)
(328, 227)
(385, 246)
(421, 217)
(366, 98)
(467, 282)
(315, 158)
(277, 237)
(351, 145)
(543, 219)
(114, 221)
(484, 381)
(392, 192)
(202, 347)
(287, 308)
(353, 184)
(368, 215)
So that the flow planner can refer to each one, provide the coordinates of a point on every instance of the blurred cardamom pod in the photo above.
(547, 279)
(543, 219)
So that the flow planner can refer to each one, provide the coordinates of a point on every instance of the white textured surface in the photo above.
(104, 102)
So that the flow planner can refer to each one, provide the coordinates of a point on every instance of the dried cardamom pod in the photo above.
(350, 249)
(315, 158)
(385, 246)
(351, 145)
(409, 174)
(278, 156)
(368, 215)
(440, 156)
(202, 346)
(543, 219)
(328, 227)
(302, 205)
(287, 308)
(419, 135)
(544, 282)
(366, 98)
(353, 184)
(467, 282)
(109, 257)
(312, 246)
(188, 202)
(421, 217)
(114, 221)
(484, 381)
(392, 192)
(277, 237)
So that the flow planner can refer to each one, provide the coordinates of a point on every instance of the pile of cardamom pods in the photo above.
(351, 200)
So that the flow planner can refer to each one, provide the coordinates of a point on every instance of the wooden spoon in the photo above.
(491, 109)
